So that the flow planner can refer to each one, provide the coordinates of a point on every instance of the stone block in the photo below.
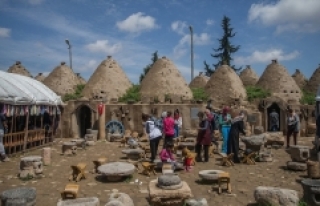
(21, 196)
(276, 196)
(297, 166)
(274, 138)
(119, 199)
(169, 182)
(258, 130)
(254, 142)
(196, 202)
(299, 153)
(89, 201)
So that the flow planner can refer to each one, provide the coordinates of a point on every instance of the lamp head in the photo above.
(67, 41)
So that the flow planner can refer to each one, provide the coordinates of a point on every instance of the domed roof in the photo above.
(40, 77)
(225, 86)
(18, 68)
(164, 79)
(314, 81)
(299, 78)
(248, 76)
(62, 80)
(108, 81)
(278, 81)
(81, 79)
(199, 81)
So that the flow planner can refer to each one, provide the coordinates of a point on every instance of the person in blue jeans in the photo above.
(225, 124)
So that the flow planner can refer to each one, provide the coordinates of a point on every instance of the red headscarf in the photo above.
(225, 110)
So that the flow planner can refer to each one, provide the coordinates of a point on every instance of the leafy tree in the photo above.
(207, 68)
(226, 49)
(308, 98)
(76, 95)
(199, 94)
(132, 94)
(148, 67)
(254, 92)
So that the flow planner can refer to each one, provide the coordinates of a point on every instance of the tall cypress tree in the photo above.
(226, 49)
(148, 67)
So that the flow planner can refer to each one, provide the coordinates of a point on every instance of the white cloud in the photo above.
(104, 46)
(288, 15)
(137, 23)
(91, 65)
(35, 2)
(5, 32)
(209, 22)
(266, 56)
(179, 27)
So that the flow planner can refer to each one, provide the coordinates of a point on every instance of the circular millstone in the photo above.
(19, 196)
(169, 181)
(132, 151)
(70, 144)
(210, 174)
(116, 169)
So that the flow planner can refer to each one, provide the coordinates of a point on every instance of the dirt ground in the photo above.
(245, 178)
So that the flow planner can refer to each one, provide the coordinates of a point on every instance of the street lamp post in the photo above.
(70, 52)
(192, 63)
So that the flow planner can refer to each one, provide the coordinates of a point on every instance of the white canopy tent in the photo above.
(16, 89)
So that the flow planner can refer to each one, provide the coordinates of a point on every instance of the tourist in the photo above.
(293, 122)
(225, 124)
(155, 136)
(214, 125)
(168, 128)
(274, 120)
(204, 135)
(237, 126)
(177, 123)
(3, 128)
(166, 155)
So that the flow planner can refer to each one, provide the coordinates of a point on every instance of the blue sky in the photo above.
(34, 32)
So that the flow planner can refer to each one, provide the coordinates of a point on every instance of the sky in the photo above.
(34, 32)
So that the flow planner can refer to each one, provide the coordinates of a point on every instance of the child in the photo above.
(166, 155)
(188, 158)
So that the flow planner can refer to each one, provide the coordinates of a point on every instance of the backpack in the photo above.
(215, 122)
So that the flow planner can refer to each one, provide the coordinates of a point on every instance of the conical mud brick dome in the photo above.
(81, 80)
(164, 79)
(199, 81)
(300, 79)
(62, 80)
(108, 81)
(248, 76)
(277, 80)
(314, 82)
(18, 68)
(40, 77)
(225, 86)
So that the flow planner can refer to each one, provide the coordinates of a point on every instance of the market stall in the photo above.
(32, 111)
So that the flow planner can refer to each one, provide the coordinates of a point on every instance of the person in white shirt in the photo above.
(154, 134)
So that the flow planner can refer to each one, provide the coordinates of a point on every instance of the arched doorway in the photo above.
(272, 112)
(84, 118)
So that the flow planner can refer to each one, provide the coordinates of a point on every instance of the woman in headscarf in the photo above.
(204, 136)
(225, 124)
(237, 126)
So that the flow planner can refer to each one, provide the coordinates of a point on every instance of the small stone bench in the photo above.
(133, 154)
(89, 201)
(30, 166)
(24, 196)
(69, 148)
(80, 143)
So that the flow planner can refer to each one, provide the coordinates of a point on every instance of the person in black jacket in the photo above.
(237, 126)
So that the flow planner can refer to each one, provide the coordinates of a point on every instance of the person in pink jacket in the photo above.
(168, 129)
(166, 155)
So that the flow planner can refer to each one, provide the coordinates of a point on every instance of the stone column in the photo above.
(102, 124)
(46, 155)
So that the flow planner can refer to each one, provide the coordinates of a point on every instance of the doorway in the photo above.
(274, 108)
(84, 120)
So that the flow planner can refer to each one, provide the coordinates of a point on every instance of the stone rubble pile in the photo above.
(276, 196)
(299, 156)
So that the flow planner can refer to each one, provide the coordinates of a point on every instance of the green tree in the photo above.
(76, 95)
(226, 49)
(207, 68)
(148, 67)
